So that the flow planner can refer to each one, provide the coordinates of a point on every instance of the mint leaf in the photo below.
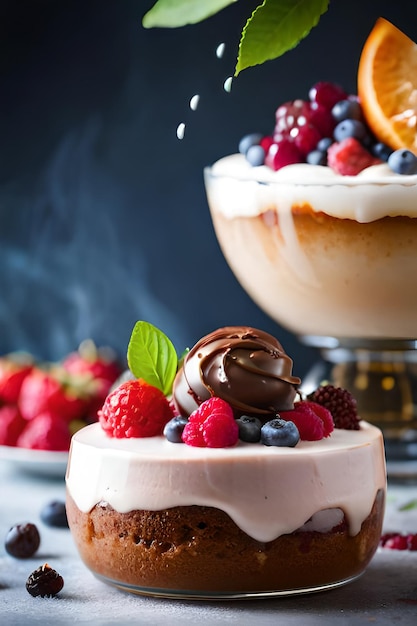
(275, 27)
(151, 356)
(175, 13)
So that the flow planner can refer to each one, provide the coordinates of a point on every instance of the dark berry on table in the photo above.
(381, 151)
(350, 128)
(279, 432)
(317, 157)
(44, 582)
(174, 428)
(249, 428)
(283, 153)
(22, 540)
(327, 94)
(347, 109)
(255, 156)
(252, 139)
(54, 514)
(403, 161)
(341, 404)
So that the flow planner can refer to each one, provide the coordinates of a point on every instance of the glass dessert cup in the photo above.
(214, 530)
(333, 260)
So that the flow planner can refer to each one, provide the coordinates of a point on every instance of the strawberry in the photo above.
(45, 432)
(12, 374)
(11, 425)
(349, 157)
(135, 409)
(314, 422)
(212, 425)
(49, 391)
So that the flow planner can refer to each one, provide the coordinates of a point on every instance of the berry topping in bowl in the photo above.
(357, 130)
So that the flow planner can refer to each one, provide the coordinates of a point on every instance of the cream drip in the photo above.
(375, 193)
(267, 491)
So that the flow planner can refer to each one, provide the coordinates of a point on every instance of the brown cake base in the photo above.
(200, 550)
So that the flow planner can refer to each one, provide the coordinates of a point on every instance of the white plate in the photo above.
(40, 462)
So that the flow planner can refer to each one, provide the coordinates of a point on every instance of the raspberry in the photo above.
(314, 422)
(349, 157)
(212, 425)
(340, 403)
(135, 409)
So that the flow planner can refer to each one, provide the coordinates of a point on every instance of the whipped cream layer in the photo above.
(375, 193)
(267, 491)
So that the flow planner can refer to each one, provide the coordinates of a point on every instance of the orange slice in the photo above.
(387, 85)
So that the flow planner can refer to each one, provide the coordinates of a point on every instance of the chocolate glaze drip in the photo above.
(246, 367)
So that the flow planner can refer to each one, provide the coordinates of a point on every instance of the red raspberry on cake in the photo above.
(212, 425)
(314, 422)
(135, 409)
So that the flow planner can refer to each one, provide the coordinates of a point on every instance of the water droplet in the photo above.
(181, 130)
(194, 102)
(228, 84)
(220, 50)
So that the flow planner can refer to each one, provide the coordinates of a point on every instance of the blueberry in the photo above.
(255, 156)
(381, 151)
(317, 157)
(279, 432)
(22, 541)
(403, 161)
(174, 428)
(351, 128)
(347, 109)
(248, 141)
(249, 428)
(54, 514)
(324, 144)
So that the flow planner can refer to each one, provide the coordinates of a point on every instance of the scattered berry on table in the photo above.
(341, 404)
(314, 422)
(54, 514)
(280, 432)
(174, 428)
(249, 428)
(399, 541)
(22, 540)
(212, 425)
(135, 409)
(44, 582)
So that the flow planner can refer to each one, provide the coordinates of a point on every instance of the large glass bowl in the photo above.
(329, 256)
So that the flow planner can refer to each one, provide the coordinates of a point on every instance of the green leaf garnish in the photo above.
(275, 26)
(409, 506)
(152, 356)
(175, 13)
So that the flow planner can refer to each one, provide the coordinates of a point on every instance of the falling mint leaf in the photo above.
(151, 356)
(275, 27)
(175, 13)
(409, 506)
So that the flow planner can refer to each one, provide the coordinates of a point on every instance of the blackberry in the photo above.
(340, 403)
(44, 582)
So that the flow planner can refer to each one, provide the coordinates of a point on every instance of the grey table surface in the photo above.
(385, 594)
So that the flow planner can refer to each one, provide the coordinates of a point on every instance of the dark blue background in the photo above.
(103, 216)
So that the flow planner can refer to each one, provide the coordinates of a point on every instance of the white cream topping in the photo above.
(267, 491)
(238, 189)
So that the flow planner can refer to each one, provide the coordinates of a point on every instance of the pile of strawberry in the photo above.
(328, 128)
(41, 406)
